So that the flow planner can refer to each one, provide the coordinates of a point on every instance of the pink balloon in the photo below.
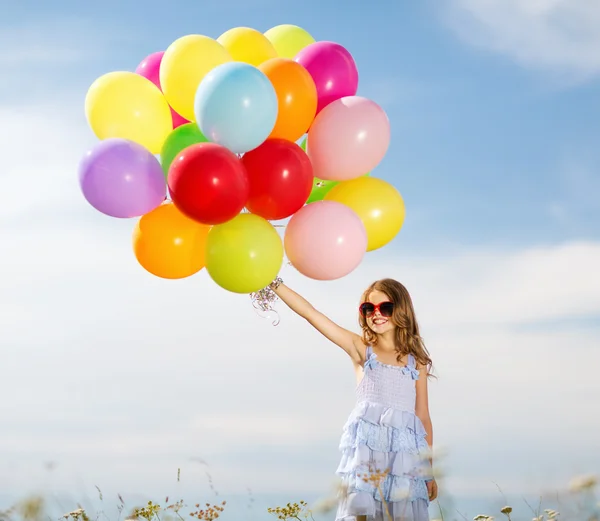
(325, 240)
(332, 69)
(348, 139)
(149, 68)
(178, 119)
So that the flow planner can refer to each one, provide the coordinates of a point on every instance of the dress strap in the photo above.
(369, 358)
(412, 362)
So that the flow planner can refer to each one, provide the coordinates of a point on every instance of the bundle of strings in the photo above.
(264, 300)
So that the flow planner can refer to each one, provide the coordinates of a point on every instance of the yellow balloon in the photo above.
(378, 204)
(244, 254)
(247, 45)
(289, 40)
(185, 63)
(126, 105)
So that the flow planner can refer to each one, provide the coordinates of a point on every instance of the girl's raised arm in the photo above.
(347, 340)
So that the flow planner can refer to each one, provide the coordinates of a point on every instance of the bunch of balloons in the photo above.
(211, 140)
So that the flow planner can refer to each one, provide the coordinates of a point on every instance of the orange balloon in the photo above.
(168, 244)
(296, 94)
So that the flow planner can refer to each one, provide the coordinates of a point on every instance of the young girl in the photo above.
(385, 467)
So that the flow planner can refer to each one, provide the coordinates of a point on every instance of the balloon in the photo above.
(178, 140)
(244, 254)
(332, 69)
(121, 178)
(320, 187)
(296, 97)
(378, 204)
(208, 183)
(178, 119)
(127, 105)
(350, 137)
(185, 62)
(280, 176)
(289, 40)
(325, 240)
(247, 45)
(236, 106)
(149, 68)
(168, 244)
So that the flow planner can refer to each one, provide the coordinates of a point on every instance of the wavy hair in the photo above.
(408, 339)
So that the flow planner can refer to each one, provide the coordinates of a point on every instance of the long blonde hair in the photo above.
(408, 339)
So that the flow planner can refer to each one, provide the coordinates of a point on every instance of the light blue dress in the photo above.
(383, 433)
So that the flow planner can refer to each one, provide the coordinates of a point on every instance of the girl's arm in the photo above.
(422, 408)
(347, 340)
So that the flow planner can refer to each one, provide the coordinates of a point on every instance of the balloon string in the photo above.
(264, 301)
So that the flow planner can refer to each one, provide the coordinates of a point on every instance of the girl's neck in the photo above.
(387, 341)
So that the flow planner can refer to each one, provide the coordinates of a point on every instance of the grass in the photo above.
(580, 502)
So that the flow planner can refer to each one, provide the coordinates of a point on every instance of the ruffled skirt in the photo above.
(384, 466)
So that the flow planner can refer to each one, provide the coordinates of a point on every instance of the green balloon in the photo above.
(320, 187)
(179, 139)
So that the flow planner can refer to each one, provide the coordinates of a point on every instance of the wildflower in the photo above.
(6, 515)
(374, 476)
(506, 510)
(552, 514)
(32, 508)
(290, 511)
(175, 507)
(148, 512)
(583, 483)
(483, 517)
(210, 513)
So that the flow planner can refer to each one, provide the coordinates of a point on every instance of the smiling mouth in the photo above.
(379, 321)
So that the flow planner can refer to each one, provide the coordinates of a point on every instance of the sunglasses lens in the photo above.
(367, 309)
(386, 309)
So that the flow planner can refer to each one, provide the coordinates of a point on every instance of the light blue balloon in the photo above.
(236, 106)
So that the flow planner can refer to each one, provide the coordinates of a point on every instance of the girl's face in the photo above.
(377, 321)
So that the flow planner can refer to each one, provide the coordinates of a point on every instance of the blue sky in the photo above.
(483, 149)
(494, 115)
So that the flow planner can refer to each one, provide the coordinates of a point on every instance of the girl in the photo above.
(386, 441)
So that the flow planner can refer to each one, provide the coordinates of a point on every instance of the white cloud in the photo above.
(44, 145)
(122, 377)
(560, 36)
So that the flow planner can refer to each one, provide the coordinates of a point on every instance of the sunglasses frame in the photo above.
(376, 307)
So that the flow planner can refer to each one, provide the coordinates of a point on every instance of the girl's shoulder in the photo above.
(362, 349)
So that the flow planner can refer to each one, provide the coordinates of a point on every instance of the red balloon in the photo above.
(208, 183)
(281, 179)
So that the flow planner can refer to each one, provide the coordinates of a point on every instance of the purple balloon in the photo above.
(332, 69)
(122, 179)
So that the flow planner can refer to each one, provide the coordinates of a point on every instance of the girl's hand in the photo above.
(432, 489)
